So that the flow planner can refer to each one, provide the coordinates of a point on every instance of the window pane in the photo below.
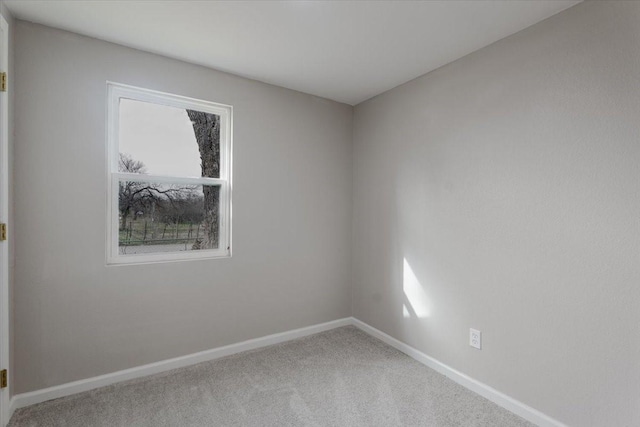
(160, 140)
(167, 218)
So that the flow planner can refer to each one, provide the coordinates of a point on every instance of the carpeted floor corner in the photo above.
(342, 377)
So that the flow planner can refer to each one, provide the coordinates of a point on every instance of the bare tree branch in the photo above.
(135, 196)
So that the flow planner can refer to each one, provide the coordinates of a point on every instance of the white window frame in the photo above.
(117, 91)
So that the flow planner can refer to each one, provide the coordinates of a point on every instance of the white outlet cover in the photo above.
(475, 338)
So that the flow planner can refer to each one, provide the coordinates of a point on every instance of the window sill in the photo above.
(167, 257)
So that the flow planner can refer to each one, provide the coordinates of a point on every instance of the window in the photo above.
(169, 177)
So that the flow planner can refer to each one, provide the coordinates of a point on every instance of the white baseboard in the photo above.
(518, 408)
(528, 413)
(25, 399)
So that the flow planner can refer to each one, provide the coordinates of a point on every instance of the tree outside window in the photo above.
(171, 184)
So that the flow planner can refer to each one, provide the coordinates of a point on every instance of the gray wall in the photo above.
(76, 318)
(509, 182)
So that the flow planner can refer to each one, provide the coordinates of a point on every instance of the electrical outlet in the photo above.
(475, 338)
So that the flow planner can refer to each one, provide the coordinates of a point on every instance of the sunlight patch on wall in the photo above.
(416, 296)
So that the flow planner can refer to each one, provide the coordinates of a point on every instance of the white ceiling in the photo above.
(347, 51)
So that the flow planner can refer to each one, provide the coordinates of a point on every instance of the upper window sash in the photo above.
(116, 91)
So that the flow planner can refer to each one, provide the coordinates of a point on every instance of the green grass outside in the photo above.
(148, 232)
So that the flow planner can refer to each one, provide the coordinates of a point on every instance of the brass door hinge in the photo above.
(3, 231)
(3, 81)
(3, 378)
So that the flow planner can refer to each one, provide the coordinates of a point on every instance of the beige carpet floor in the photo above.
(342, 377)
